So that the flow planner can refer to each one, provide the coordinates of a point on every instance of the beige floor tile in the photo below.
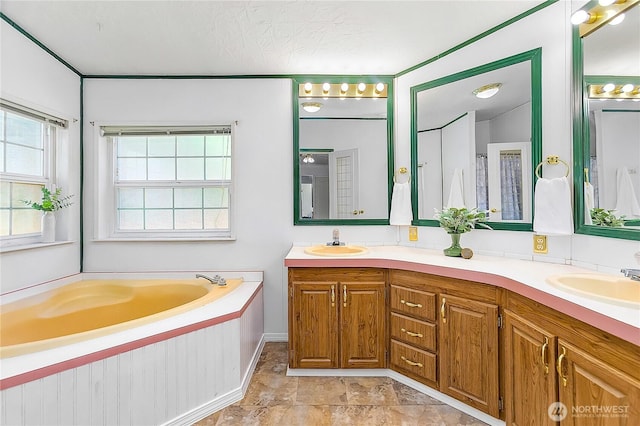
(370, 391)
(410, 396)
(270, 389)
(321, 391)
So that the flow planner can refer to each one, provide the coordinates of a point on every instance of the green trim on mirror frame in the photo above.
(581, 145)
(535, 56)
(296, 81)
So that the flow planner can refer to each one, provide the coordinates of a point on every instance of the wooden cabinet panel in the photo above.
(530, 375)
(362, 333)
(469, 352)
(417, 303)
(414, 332)
(594, 392)
(417, 363)
(314, 322)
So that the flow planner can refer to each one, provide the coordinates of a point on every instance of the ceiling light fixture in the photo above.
(308, 159)
(487, 91)
(311, 106)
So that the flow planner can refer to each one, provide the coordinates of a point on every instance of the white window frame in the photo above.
(51, 126)
(106, 205)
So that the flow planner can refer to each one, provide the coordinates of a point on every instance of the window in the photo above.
(27, 141)
(171, 182)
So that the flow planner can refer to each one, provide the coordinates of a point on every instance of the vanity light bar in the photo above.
(337, 90)
(600, 15)
(597, 91)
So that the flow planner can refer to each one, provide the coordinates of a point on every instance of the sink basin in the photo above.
(335, 250)
(607, 288)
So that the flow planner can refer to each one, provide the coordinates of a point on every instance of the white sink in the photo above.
(335, 250)
(607, 288)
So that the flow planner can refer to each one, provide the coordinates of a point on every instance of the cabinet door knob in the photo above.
(411, 333)
(545, 364)
(442, 310)
(559, 366)
(415, 364)
(411, 305)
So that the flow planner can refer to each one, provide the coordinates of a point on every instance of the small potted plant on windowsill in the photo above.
(50, 203)
(603, 217)
(457, 221)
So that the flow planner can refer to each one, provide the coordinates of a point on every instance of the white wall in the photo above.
(262, 173)
(31, 77)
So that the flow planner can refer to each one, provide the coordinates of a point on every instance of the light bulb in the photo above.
(627, 88)
(326, 87)
(579, 17)
(361, 87)
(307, 87)
(379, 88)
(344, 87)
(606, 2)
(608, 87)
(617, 19)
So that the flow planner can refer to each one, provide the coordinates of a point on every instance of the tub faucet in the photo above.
(217, 279)
(336, 239)
(634, 274)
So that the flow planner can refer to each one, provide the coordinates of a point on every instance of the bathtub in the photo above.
(92, 308)
(170, 367)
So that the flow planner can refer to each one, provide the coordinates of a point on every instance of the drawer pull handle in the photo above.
(411, 305)
(545, 345)
(415, 364)
(333, 295)
(559, 366)
(442, 310)
(411, 333)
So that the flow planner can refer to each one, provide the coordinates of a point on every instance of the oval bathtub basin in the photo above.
(92, 308)
(608, 288)
(335, 250)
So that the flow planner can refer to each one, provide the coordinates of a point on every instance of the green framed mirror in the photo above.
(606, 123)
(476, 141)
(342, 149)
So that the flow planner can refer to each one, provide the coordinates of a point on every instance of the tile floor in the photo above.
(275, 399)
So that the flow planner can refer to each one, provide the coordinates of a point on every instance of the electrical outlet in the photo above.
(413, 233)
(540, 244)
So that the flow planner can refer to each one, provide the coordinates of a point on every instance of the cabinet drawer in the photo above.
(413, 360)
(417, 303)
(413, 331)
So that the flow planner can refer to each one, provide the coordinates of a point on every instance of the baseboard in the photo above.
(276, 337)
(223, 401)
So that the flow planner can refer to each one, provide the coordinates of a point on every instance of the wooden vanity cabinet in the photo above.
(551, 357)
(444, 337)
(337, 318)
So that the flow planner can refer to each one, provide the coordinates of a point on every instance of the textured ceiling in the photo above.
(254, 37)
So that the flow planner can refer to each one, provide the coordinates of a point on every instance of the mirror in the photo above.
(607, 125)
(475, 150)
(343, 156)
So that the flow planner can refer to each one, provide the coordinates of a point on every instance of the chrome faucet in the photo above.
(217, 279)
(634, 274)
(336, 239)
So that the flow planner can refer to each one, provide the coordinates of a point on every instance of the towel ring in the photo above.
(552, 160)
(402, 171)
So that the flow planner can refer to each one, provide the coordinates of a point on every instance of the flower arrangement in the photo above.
(460, 220)
(603, 217)
(51, 201)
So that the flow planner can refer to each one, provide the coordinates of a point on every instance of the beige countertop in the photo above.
(527, 278)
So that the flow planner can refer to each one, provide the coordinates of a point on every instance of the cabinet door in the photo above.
(362, 334)
(530, 375)
(469, 352)
(314, 339)
(593, 392)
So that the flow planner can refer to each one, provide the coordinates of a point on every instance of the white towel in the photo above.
(456, 192)
(588, 203)
(626, 201)
(553, 207)
(401, 213)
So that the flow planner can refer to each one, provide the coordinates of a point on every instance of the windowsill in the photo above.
(8, 249)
